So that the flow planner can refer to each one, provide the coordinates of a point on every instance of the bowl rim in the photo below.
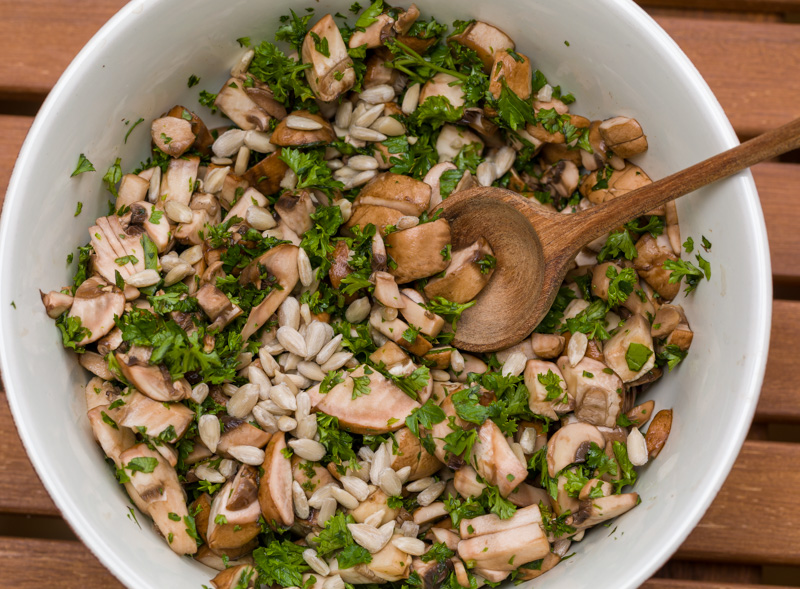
(719, 123)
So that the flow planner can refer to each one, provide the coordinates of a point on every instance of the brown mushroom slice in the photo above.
(374, 35)
(395, 330)
(500, 550)
(295, 210)
(216, 305)
(386, 291)
(163, 495)
(405, 194)
(207, 557)
(547, 345)
(406, 19)
(250, 197)
(280, 262)
(433, 178)
(178, 182)
(153, 381)
(159, 230)
(464, 277)
(231, 531)
(617, 352)
(443, 536)
(623, 136)
(243, 576)
(595, 511)
(634, 302)
(113, 440)
(681, 337)
(446, 86)
(378, 74)
(285, 136)
(301, 469)
(275, 488)
(619, 182)
(467, 482)
(526, 495)
(380, 216)
(548, 562)
(411, 453)
(593, 486)
(491, 523)
(132, 188)
(432, 573)
(485, 40)
(570, 444)
(201, 508)
(649, 263)
(390, 563)
(96, 304)
(658, 432)
(440, 357)
(192, 233)
(538, 393)
(597, 394)
(124, 243)
(429, 513)
(495, 461)
(267, 174)
(332, 75)
(489, 575)
(428, 322)
(140, 411)
(237, 105)
(383, 409)
(417, 252)
(104, 260)
(203, 139)
(515, 70)
(666, 320)
(172, 135)
(55, 303)
(237, 432)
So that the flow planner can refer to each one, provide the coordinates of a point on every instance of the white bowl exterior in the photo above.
(618, 62)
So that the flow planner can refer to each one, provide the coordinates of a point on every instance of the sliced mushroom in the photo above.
(390, 563)
(159, 230)
(500, 550)
(285, 136)
(386, 291)
(681, 336)
(143, 414)
(485, 40)
(376, 502)
(250, 197)
(452, 140)
(417, 252)
(395, 331)
(55, 303)
(623, 136)
(432, 179)
(405, 194)
(446, 86)
(467, 483)
(595, 511)
(275, 488)
(96, 304)
(203, 139)
(172, 135)
(381, 217)
(332, 75)
(666, 319)
(617, 353)
(378, 74)
(513, 68)
(526, 495)
(570, 444)
(243, 576)
(495, 461)
(597, 390)
(295, 210)
(153, 381)
(301, 469)
(562, 179)
(383, 409)
(233, 519)
(411, 453)
(619, 182)
(464, 278)
(658, 432)
(237, 105)
(267, 174)
(374, 35)
(281, 263)
(179, 180)
(208, 558)
(237, 432)
(406, 19)
(440, 357)
(492, 524)
(547, 345)
(428, 322)
(163, 496)
(649, 264)
(432, 573)
(201, 508)
(538, 399)
(132, 188)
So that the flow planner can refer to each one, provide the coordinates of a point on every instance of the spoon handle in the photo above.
(600, 220)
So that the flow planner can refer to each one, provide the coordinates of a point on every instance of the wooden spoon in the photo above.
(534, 246)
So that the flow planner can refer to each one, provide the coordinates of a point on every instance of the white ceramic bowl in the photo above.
(618, 62)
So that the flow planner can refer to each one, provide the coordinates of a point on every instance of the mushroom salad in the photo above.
(268, 309)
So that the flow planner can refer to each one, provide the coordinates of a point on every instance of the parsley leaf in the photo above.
(293, 30)
(360, 386)
(311, 170)
(112, 177)
(145, 464)
(84, 165)
(619, 243)
(425, 417)
(671, 356)
(686, 270)
(448, 310)
(281, 563)
(370, 15)
(637, 355)
(620, 285)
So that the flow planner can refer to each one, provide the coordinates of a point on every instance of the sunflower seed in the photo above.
(403, 474)
(242, 159)
(375, 519)
(304, 268)
(518, 452)
(227, 467)
(362, 162)
(208, 428)
(366, 453)
(328, 350)
(326, 511)
(303, 405)
(301, 123)
(367, 536)
(257, 376)
(283, 397)
(368, 117)
(308, 449)
(335, 164)
(268, 363)
(178, 212)
(320, 494)
(336, 361)
(206, 473)
(440, 375)
(515, 364)
(419, 485)
(301, 508)
(344, 114)
(380, 462)
(411, 99)
(576, 348)
(314, 561)
(360, 179)
(247, 454)
(199, 393)
(377, 94)
(365, 134)
(143, 278)
(289, 314)
(407, 222)
(244, 62)
(356, 487)
(316, 337)
(430, 494)
(306, 428)
(486, 173)
(259, 218)
(242, 403)
(289, 180)
(228, 143)
(545, 94)
(528, 440)
(389, 314)
(229, 389)
(637, 447)
(409, 529)
(169, 261)
(504, 159)
(346, 207)
(286, 423)
(456, 361)
(390, 483)
(155, 185)
(311, 370)
(412, 546)
(358, 310)
(221, 161)
(259, 142)
(291, 339)
(344, 498)
(265, 419)
(389, 126)
(177, 274)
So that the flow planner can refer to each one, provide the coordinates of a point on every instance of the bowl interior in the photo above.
(617, 62)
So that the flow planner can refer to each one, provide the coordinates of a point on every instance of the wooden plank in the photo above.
(780, 394)
(12, 134)
(759, 495)
(38, 38)
(675, 584)
(718, 572)
(780, 6)
(30, 564)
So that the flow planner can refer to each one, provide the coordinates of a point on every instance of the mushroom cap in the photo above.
(500, 550)
(390, 563)
(636, 330)
(445, 85)
(178, 181)
(538, 392)
(295, 210)
(380, 216)
(595, 511)
(485, 40)
(267, 174)
(275, 488)
(463, 279)
(567, 445)
(142, 411)
(411, 453)
(624, 136)
(55, 302)
(203, 139)
(153, 381)
(237, 105)
(427, 321)
(96, 303)
(405, 194)
(236, 535)
(418, 251)
(598, 398)
(517, 74)
(285, 136)
(280, 262)
(386, 291)
(324, 70)
(649, 264)
(491, 523)
(242, 576)
(172, 135)
(495, 461)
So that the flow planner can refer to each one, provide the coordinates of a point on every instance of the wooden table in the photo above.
(749, 52)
